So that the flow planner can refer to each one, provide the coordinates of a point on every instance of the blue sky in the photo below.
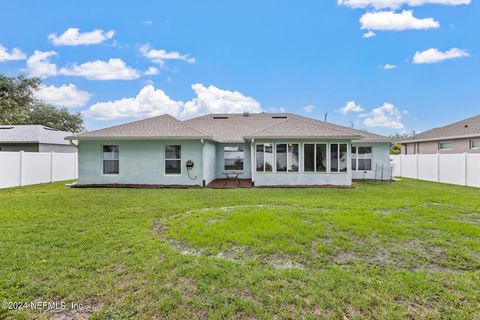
(138, 59)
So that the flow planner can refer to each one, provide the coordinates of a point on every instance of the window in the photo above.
(445, 146)
(233, 158)
(308, 157)
(292, 157)
(111, 160)
(475, 144)
(361, 158)
(287, 157)
(264, 154)
(173, 159)
(315, 157)
(338, 157)
(281, 157)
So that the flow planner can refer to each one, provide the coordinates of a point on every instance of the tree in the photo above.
(16, 98)
(396, 149)
(59, 119)
(18, 106)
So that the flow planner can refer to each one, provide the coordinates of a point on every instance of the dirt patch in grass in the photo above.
(77, 311)
(332, 246)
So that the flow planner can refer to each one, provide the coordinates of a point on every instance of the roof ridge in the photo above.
(274, 124)
(190, 127)
(136, 121)
(331, 124)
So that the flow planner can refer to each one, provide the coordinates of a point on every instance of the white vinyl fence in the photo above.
(461, 168)
(26, 168)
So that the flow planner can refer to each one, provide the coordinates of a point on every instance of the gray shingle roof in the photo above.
(32, 134)
(297, 127)
(465, 128)
(164, 126)
(236, 127)
(230, 128)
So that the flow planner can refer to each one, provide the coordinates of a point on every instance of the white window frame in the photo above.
(349, 163)
(103, 160)
(165, 161)
(243, 169)
(273, 157)
(356, 158)
(471, 144)
(315, 158)
(446, 149)
(299, 158)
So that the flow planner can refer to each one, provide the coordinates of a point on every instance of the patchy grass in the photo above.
(405, 250)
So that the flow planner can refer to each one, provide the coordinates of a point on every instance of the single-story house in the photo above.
(458, 137)
(266, 148)
(35, 138)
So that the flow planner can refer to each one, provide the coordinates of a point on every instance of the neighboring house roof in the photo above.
(462, 129)
(164, 126)
(32, 134)
(231, 128)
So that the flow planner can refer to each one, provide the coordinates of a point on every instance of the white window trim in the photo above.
(315, 158)
(471, 144)
(356, 158)
(273, 157)
(440, 143)
(349, 161)
(243, 170)
(165, 161)
(299, 158)
(102, 165)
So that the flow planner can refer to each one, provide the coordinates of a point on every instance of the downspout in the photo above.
(204, 162)
(252, 160)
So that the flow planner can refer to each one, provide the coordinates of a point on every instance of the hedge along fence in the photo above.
(460, 168)
(27, 168)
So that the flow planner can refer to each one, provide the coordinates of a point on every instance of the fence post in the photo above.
(438, 167)
(416, 166)
(465, 156)
(21, 168)
(52, 165)
(400, 165)
(75, 166)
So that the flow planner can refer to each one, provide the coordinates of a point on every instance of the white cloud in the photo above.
(160, 56)
(434, 55)
(387, 116)
(114, 69)
(151, 71)
(395, 21)
(369, 34)
(14, 54)
(395, 4)
(351, 106)
(151, 102)
(66, 95)
(390, 66)
(39, 65)
(309, 108)
(214, 100)
(73, 37)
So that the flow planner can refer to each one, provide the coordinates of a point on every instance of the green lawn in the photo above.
(404, 250)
